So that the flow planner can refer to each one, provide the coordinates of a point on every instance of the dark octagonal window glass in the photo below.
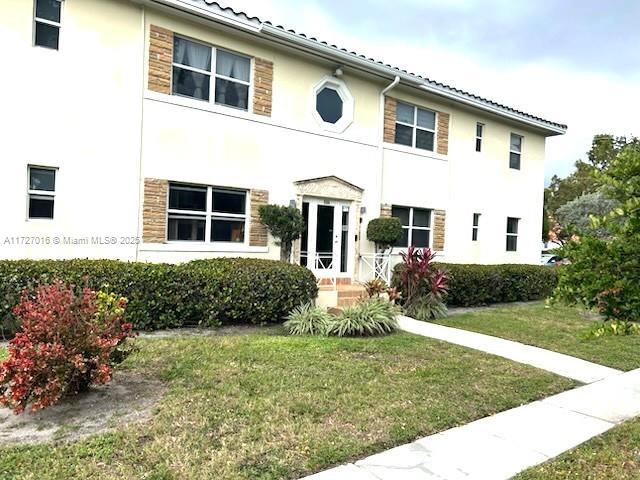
(329, 105)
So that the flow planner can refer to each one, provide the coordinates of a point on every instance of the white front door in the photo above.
(325, 243)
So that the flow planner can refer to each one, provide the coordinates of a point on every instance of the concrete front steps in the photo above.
(342, 294)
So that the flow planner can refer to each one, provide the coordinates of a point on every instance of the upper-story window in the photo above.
(479, 132)
(47, 16)
(329, 104)
(515, 151)
(415, 127)
(228, 84)
(332, 105)
(416, 226)
(198, 213)
(42, 192)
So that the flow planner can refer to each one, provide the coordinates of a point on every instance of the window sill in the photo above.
(415, 151)
(200, 104)
(201, 247)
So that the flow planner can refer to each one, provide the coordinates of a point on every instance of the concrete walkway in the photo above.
(500, 446)
(558, 363)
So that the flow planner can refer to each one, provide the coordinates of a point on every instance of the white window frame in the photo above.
(33, 193)
(209, 214)
(411, 227)
(347, 104)
(513, 234)
(518, 152)
(416, 127)
(475, 230)
(480, 137)
(37, 20)
(213, 75)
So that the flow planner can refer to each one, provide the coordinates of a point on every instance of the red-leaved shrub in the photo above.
(70, 339)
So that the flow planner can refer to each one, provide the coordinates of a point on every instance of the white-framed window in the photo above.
(47, 16)
(479, 132)
(332, 105)
(210, 74)
(415, 127)
(416, 226)
(476, 226)
(515, 151)
(41, 191)
(512, 234)
(206, 214)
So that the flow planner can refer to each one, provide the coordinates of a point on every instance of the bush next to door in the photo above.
(471, 285)
(211, 292)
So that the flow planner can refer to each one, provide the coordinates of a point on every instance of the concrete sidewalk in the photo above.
(500, 446)
(558, 363)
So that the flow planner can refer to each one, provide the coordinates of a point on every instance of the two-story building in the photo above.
(152, 130)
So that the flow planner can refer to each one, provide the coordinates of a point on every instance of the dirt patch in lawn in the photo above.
(128, 398)
(234, 330)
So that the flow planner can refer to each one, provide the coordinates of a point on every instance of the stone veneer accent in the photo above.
(443, 133)
(160, 59)
(154, 210)
(390, 105)
(438, 230)
(385, 210)
(262, 87)
(258, 235)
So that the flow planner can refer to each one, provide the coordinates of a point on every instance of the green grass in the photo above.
(615, 455)
(556, 328)
(266, 406)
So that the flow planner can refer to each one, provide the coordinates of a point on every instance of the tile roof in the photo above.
(257, 22)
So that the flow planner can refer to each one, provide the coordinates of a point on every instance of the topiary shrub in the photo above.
(308, 320)
(285, 223)
(473, 285)
(68, 341)
(372, 316)
(384, 231)
(209, 292)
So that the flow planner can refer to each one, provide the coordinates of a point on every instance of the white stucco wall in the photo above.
(78, 110)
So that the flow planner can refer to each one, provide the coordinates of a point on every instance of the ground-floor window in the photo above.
(512, 234)
(416, 226)
(41, 191)
(206, 214)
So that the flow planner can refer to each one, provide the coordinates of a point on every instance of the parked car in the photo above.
(550, 260)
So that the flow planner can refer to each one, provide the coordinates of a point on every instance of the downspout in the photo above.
(383, 93)
(140, 153)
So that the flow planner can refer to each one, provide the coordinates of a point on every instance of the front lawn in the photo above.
(259, 405)
(556, 328)
(613, 455)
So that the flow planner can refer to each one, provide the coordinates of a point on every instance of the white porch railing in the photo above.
(377, 266)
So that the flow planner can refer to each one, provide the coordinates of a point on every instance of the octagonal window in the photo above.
(329, 105)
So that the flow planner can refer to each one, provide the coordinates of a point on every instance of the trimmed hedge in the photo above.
(207, 292)
(472, 285)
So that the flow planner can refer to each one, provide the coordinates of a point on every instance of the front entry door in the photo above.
(325, 243)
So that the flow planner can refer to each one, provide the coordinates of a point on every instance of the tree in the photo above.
(605, 273)
(286, 224)
(575, 216)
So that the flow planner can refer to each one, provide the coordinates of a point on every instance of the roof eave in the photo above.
(261, 28)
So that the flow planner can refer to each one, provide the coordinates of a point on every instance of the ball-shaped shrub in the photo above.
(384, 231)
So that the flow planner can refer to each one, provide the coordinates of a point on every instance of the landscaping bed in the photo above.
(260, 405)
(558, 328)
(613, 455)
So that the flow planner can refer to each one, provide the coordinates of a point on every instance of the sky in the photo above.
(575, 62)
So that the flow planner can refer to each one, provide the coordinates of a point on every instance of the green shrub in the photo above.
(426, 307)
(384, 231)
(308, 320)
(471, 285)
(208, 292)
(373, 316)
(613, 328)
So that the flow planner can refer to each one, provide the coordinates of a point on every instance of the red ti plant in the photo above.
(423, 285)
(69, 339)
(418, 275)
